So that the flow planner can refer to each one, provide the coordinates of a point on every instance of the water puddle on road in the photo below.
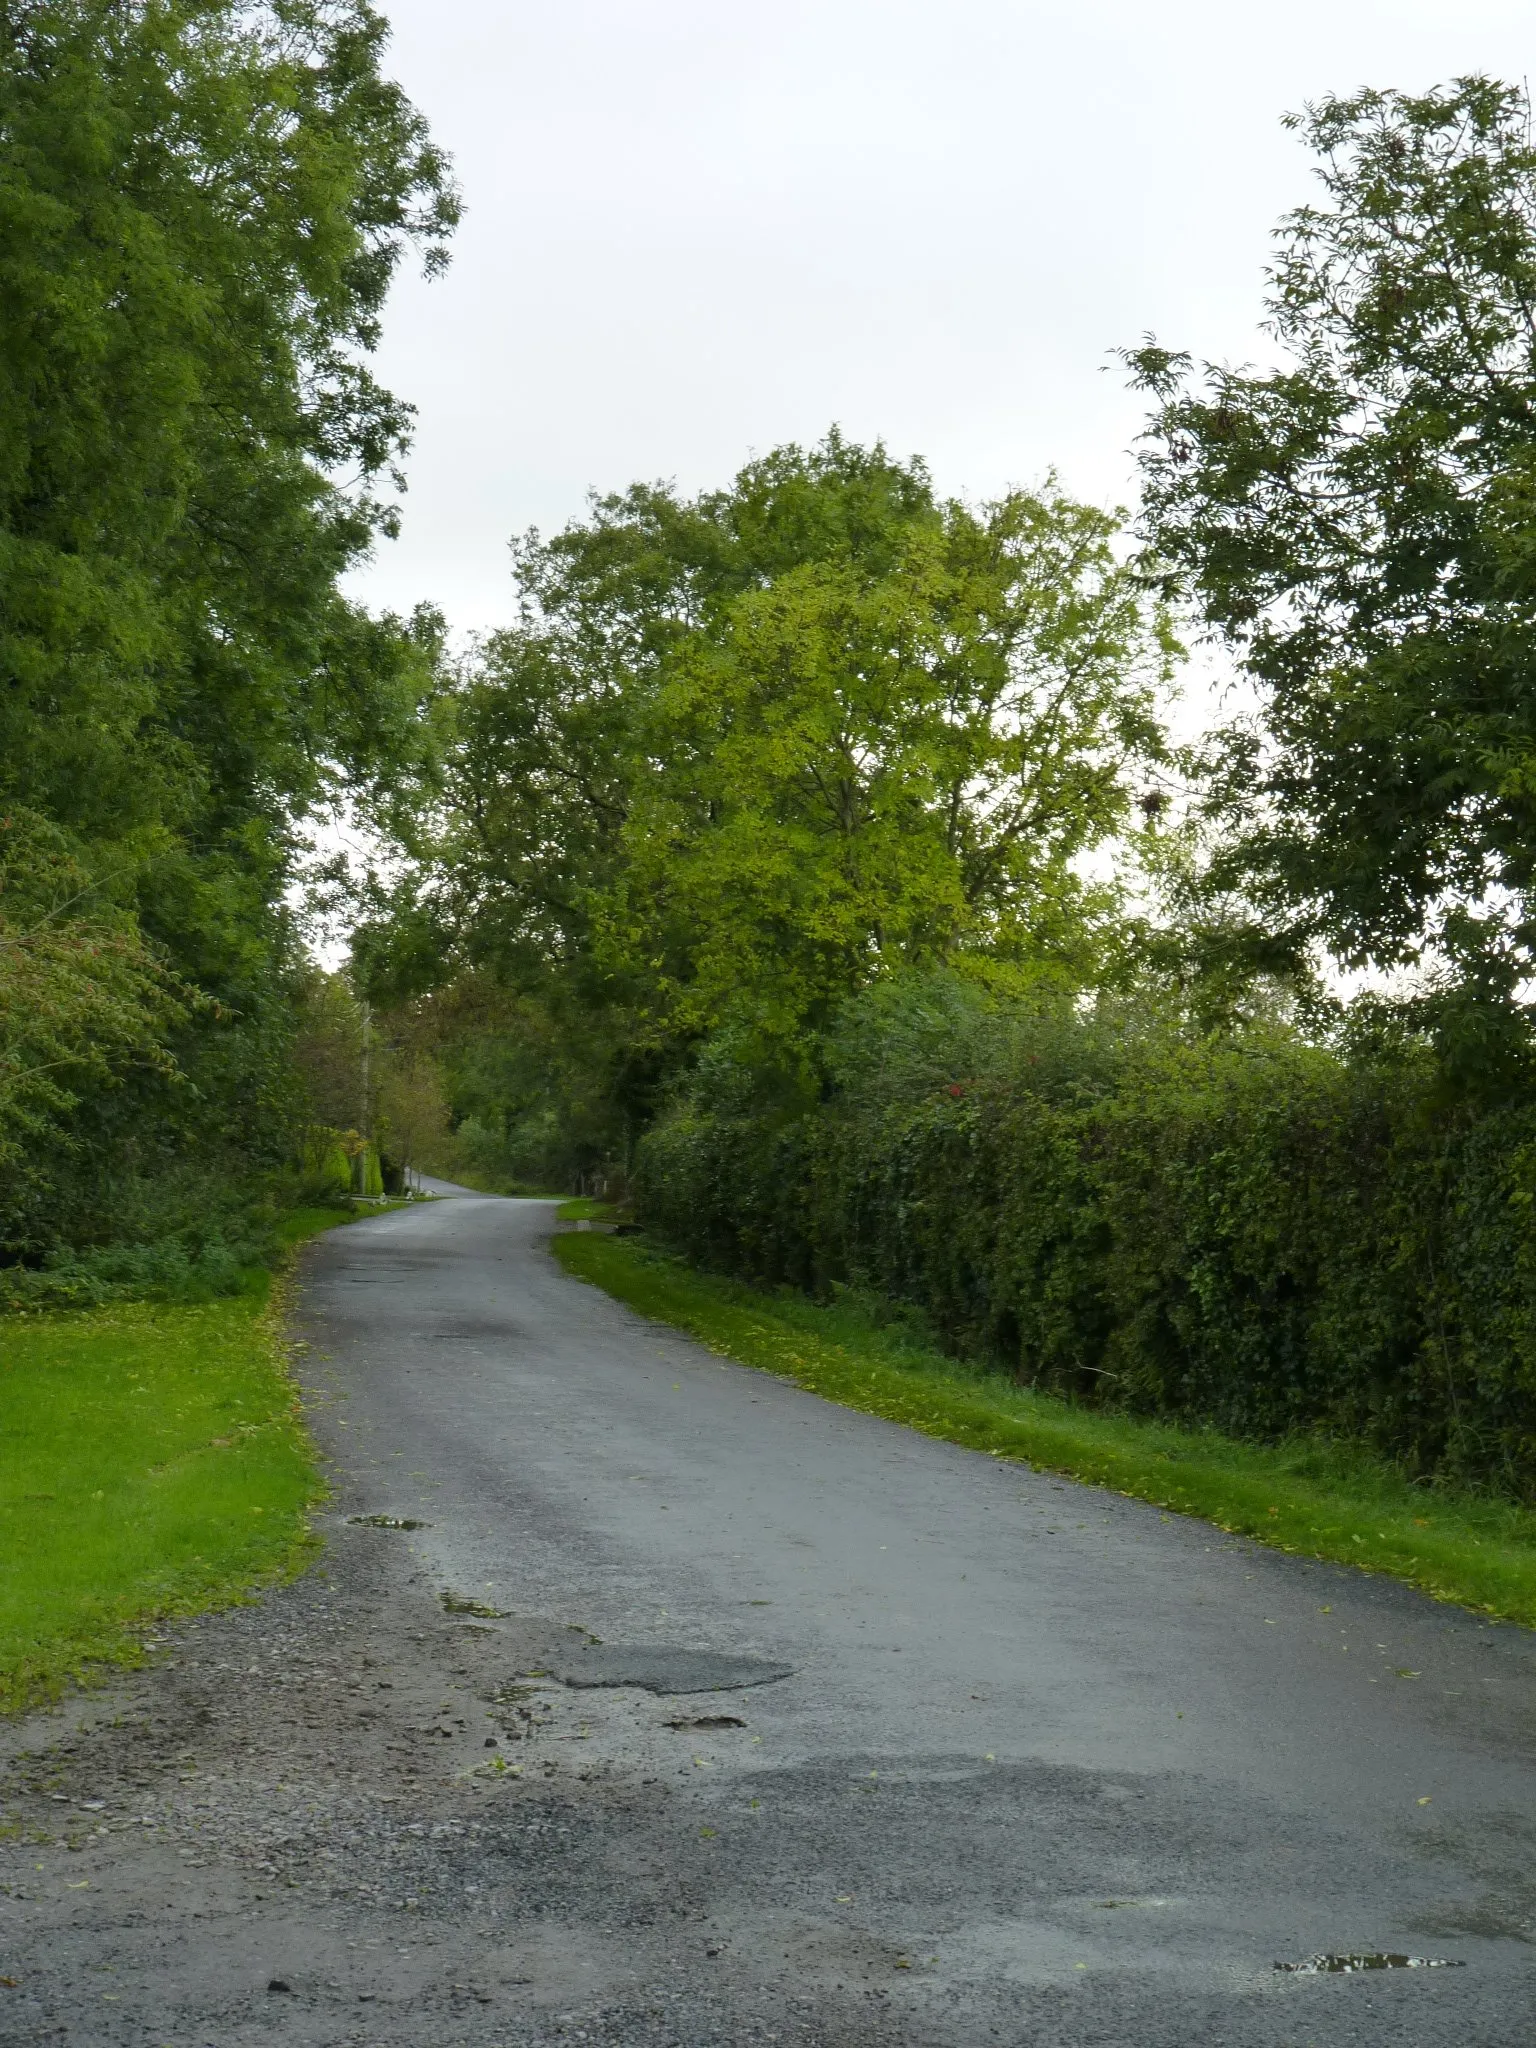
(386, 1522)
(1381, 1959)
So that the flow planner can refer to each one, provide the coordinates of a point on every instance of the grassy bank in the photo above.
(1312, 1498)
(152, 1463)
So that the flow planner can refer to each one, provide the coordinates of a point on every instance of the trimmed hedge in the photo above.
(1257, 1235)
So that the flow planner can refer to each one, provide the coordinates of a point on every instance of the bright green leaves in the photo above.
(201, 205)
(794, 839)
(858, 773)
(752, 752)
(81, 996)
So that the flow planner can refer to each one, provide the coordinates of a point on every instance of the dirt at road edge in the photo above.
(346, 1814)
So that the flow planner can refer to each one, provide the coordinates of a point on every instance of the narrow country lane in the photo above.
(690, 1709)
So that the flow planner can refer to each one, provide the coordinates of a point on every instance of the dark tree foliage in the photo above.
(1360, 526)
(1248, 1232)
(202, 203)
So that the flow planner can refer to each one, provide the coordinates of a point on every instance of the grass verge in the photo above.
(153, 1463)
(1312, 1498)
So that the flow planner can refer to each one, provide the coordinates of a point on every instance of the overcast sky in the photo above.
(698, 228)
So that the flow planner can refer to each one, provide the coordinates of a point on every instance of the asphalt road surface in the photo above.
(694, 1710)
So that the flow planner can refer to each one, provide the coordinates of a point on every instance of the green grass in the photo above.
(153, 1463)
(1312, 1498)
(298, 1225)
(587, 1209)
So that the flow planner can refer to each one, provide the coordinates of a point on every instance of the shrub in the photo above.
(1255, 1233)
(324, 1171)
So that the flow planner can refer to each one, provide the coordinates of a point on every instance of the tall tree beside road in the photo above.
(202, 203)
(1360, 527)
(869, 767)
(749, 752)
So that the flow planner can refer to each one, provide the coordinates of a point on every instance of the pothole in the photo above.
(660, 1670)
(1379, 1959)
(453, 1604)
(706, 1721)
(386, 1522)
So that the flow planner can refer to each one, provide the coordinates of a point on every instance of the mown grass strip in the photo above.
(586, 1209)
(1315, 1499)
(153, 1463)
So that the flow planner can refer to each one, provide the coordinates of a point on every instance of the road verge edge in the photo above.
(1307, 1497)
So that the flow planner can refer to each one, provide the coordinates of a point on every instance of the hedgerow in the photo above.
(1255, 1232)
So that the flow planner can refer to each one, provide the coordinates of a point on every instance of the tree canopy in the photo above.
(202, 203)
(1358, 526)
(745, 753)
(745, 757)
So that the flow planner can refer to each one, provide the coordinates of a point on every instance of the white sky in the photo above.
(698, 228)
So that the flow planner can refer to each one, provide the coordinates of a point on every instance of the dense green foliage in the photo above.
(201, 205)
(779, 853)
(748, 753)
(1254, 1233)
(79, 989)
(1359, 525)
(789, 839)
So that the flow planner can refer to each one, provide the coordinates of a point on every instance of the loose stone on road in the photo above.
(642, 1698)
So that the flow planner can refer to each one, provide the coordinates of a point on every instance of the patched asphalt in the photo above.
(642, 1698)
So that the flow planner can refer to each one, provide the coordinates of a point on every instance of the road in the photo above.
(979, 1756)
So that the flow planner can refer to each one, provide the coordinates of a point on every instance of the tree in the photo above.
(1359, 526)
(81, 996)
(202, 203)
(866, 767)
(746, 753)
